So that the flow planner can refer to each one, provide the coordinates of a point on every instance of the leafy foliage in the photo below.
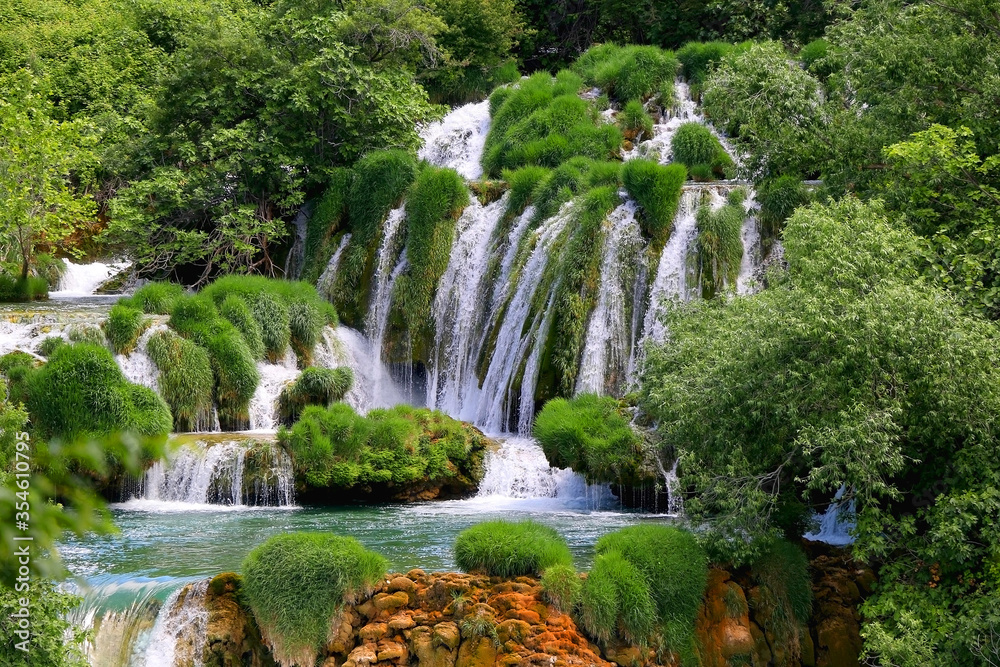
(510, 549)
(54, 641)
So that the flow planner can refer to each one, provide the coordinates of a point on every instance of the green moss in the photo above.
(616, 600)
(81, 392)
(296, 582)
(185, 381)
(433, 206)
(628, 72)
(635, 122)
(561, 586)
(657, 189)
(325, 222)
(315, 386)
(510, 549)
(123, 328)
(335, 448)
(720, 244)
(592, 435)
(235, 309)
(157, 298)
(49, 345)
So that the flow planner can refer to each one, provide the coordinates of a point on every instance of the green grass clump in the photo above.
(628, 72)
(675, 567)
(185, 381)
(433, 206)
(275, 327)
(17, 367)
(16, 288)
(235, 309)
(157, 298)
(49, 345)
(561, 586)
(305, 326)
(693, 143)
(387, 451)
(510, 549)
(635, 122)
(81, 392)
(657, 189)
(617, 601)
(324, 222)
(315, 386)
(296, 582)
(543, 122)
(698, 59)
(87, 333)
(123, 328)
(782, 571)
(591, 435)
(720, 244)
(778, 198)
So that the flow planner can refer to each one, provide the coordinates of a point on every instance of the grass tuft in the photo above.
(562, 586)
(315, 386)
(510, 549)
(235, 309)
(158, 298)
(123, 328)
(657, 189)
(720, 244)
(185, 380)
(628, 72)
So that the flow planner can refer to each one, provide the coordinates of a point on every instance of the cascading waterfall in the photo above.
(609, 335)
(329, 277)
(293, 263)
(747, 281)
(84, 279)
(384, 278)
(264, 404)
(181, 630)
(457, 140)
(373, 386)
(207, 474)
(836, 523)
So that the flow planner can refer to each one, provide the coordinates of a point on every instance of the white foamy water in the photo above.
(373, 386)
(181, 631)
(457, 140)
(328, 279)
(273, 378)
(836, 523)
(84, 279)
(137, 367)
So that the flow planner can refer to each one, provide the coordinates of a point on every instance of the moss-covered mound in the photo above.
(511, 549)
(403, 453)
(295, 583)
(315, 386)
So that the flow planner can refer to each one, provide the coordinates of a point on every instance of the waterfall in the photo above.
(609, 334)
(264, 404)
(181, 631)
(137, 367)
(517, 334)
(296, 254)
(836, 523)
(747, 282)
(373, 386)
(384, 279)
(457, 140)
(458, 311)
(210, 475)
(84, 279)
(329, 277)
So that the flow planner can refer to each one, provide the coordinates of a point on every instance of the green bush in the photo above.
(194, 317)
(324, 222)
(17, 367)
(185, 380)
(561, 586)
(235, 309)
(702, 173)
(676, 568)
(510, 549)
(49, 345)
(616, 600)
(157, 298)
(628, 72)
(693, 143)
(81, 392)
(699, 58)
(305, 326)
(315, 386)
(296, 582)
(15, 288)
(635, 122)
(275, 326)
(123, 328)
(384, 450)
(87, 333)
(236, 376)
(778, 199)
(591, 435)
(720, 244)
(657, 189)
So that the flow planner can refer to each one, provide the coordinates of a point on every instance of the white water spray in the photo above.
(457, 140)
(84, 279)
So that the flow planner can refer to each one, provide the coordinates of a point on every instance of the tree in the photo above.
(38, 204)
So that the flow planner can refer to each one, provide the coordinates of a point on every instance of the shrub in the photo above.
(324, 223)
(702, 173)
(628, 72)
(123, 328)
(305, 325)
(17, 367)
(17, 288)
(634, 121)
(236, 376)
(699, 58)
(81, 392)
(589, 434)
(49, 345)
(193, 317)
(720, 244)
(275, 327)
(235, 309)
(296, 582)
(693, 143)
(157, 298)
(632, 614)
(315, 386)
(185, 380)
(87, 333)
(657, 189)
(561, 586)
(510, 549)
(778, 199)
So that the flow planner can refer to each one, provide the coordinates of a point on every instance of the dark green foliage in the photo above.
(157, 298)
(123, 328)
(81, 392)
(54, 641)
(821, 59)
(617, 601)
(325, 221)
(397, 448)
(635, 123)
(720, 244)
(433, 206)
(778, 199)
(235, 309)
(296, 582)
(676, 570)
(592, 435)
(185, 381)
(657, 189)
(562, 586)
(543, 122)
(628, 72)
(510, 549)
(782, 570)
(49, 345)
(699, 58)
(16, 288)
(694, 143)
(315, 386)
